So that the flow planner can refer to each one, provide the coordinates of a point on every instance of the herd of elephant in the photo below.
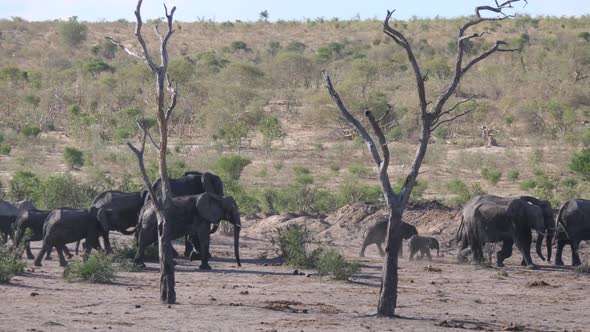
(198, 206)
(489, 219)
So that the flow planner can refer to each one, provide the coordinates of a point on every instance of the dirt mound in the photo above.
(265, 227)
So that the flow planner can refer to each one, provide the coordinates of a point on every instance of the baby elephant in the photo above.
(422, 244)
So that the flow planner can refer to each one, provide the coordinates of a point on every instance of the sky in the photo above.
(248, 10)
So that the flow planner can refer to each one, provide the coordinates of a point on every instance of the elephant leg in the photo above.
(559, 252)
(48, 255)
(575, 244)
(462, 254)
(523, 244)
(412, 253)
(60, 253)
(196, 247)
(28, 250)
(381, 251)
(365, 244)
(427, 253)
(504, 252)
(107, 243)
(77, 246)
(400, 252)
(204, 238)
(188, 246)
(67, 252)
(41, 253)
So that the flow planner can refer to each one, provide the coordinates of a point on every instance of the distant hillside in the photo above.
(254, 89)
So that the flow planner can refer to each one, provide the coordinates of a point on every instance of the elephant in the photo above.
(423, 244)
(491, 219)
(377, 232)
(572, 226)
(191, 215)
(117, 211)
(8, 214)
(191, 183)
(547, 210)
(67, 225)
(33, 220)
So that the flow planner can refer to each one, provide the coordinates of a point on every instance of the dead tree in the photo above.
(164, 110)
(430, 119)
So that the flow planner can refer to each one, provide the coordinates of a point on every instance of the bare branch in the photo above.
(138, 26)
(173, 94)
(451, 109)
(382, 142)
(401, 40)
(147, 133)
(451, 119)
(492, 50)
(139, 155)
(128, 51)
(351, 119)
(474, 35)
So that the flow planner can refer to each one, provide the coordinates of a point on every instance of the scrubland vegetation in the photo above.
(253, 108)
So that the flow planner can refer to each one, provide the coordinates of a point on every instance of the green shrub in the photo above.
(230, 168)
(513, 174)
(63, 191)
(10, 264)
(302, 175)
(29, 131)
(5, 149)
(271, 130)
(23, 186)
(73, 32)
(239, 45)
(462, 191)
(584, 35)
(492, 175)
(95, 66)
(332, 263)
(335, 168)
(123, 256)
(293, 242)
(580, 163)
(73, 157)
(359, 170)
(353, 192)
(583, 268)
(98, 268)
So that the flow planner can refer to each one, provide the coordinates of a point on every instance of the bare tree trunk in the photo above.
(389, 276)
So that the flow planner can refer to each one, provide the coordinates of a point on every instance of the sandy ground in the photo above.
(262, 295)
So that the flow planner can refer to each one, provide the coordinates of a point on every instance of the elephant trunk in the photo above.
(237, 228)
(539, 245)
(18, 237)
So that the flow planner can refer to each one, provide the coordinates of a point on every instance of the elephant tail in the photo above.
(558, 220)
(459, 235)
(129, 232)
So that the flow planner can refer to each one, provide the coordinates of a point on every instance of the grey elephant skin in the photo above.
(32, 220)
(191, 183)
(377, 232)
(422, 244)
(491, 219)
(573, 225)
(191, 215)
(8, 215)
(118, 211)
(64, 226)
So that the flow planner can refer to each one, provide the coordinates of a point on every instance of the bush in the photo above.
(239, 45)
(10, 264)
(359, 170)
(73, 157)
(23, 186)
(73, 32)
(463, 192)
(332, 263)
(230, 168)
(513, 174)
(5, 149)
(293, 242)
(29, 131)
(95, 66)
(492, 175)
(98, 268)
(418, 190)
(63, 191)
(580, 163)
(583, 268)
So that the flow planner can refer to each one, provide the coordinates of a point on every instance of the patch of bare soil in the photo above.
(262, 295)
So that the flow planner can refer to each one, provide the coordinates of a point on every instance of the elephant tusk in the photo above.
(238, 226)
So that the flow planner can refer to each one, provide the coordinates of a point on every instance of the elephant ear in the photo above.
(209, 208)
(212, 183)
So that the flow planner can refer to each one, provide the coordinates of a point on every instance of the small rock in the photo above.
(296, 272)
(308, 275)
(433, 283)
(169, 306)
(305, 311)
(265, 264)
(34, 294)
(137, 306)
(244, 293)
(212, 299)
